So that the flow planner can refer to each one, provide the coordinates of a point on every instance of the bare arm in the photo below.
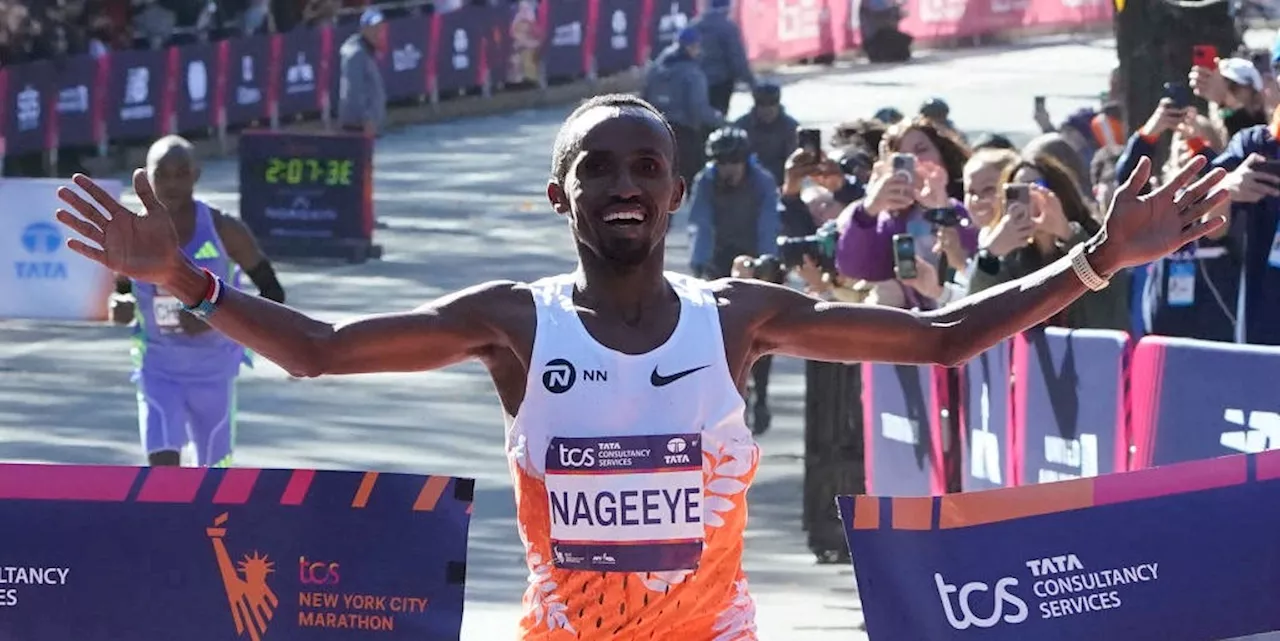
(438, 334)
(1139, 229)
(808, 328)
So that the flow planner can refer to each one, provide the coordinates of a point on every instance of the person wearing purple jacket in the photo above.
(900, 204)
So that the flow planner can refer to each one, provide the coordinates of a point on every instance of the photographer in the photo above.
(734, 207)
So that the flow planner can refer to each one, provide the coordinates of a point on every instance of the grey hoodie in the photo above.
(361, 95)
(676, 85)
(724, 57)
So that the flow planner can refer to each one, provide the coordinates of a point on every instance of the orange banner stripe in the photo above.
(912, 512)
(991, 506)
(866, 513)
(366, 488)
(430, 495)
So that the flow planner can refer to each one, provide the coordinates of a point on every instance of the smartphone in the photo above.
(905, 163)
(1178, 93)
(810, 140)
(1039, 103)
(904, 256)
(1204, 56)
(1017, 201)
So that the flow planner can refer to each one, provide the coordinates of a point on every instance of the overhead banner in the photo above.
(1069, 416)
(1200, 399)
(1187, 552)
(99, 553)
(39, 275)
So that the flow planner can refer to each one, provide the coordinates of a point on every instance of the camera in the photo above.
(943, 217)
(819, 247)
(766, 267)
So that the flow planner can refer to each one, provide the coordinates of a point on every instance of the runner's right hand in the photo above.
(141, 246)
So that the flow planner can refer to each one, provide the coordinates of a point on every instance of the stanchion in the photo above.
(834, 463)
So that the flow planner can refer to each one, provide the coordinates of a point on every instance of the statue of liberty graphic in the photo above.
(252, 601)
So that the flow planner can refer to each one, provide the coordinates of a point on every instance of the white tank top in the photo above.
(631, 474)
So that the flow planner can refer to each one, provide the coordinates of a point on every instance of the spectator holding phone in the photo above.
(910, 193)
(1040, 214)
(1234, 89)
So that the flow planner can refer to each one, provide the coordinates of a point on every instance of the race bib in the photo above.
(1181, 290)
(1274, 258)
(627, 503)
(167, 309)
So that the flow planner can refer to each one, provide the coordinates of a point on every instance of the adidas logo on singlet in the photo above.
(207, 251)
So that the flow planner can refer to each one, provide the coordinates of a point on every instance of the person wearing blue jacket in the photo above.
(734, 207)
(1189, 293)
(724, 56)
(676, 85)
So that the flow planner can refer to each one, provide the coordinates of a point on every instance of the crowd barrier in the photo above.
(1186, 551)
(133, 96)
(39, 276)
(102, 553)
(1059, 404)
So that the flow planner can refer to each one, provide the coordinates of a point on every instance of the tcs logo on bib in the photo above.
(577, 456)
(967, 618)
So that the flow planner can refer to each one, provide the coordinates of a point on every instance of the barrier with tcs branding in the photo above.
(1186, 552)
(39, 275)
(101, 553)
(83, 101)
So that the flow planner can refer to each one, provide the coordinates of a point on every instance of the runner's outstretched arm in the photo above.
(145, 247)
(1138, 230)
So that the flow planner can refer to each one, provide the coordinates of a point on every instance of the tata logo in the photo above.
(42, 241)
(317, 572)
(619, 24)
(1002, 597)
(577, 456)
(1055, 565)
(253, 602)
(461, 43)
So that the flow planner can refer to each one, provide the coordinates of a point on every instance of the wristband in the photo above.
(209, 302)
(1084, 271)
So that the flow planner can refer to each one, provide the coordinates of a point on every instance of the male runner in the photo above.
(622, 384)
(185, 373)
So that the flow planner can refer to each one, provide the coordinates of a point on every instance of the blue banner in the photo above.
(1069, 418)
(1199, 399)
(1182, 553)
(123, 553)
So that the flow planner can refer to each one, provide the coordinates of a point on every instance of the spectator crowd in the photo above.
(42, 29)
(905, 211)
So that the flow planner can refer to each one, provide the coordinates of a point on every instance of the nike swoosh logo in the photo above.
(658, 380)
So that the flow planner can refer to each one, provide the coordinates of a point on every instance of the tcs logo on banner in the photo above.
(317, 572)
(968, 617)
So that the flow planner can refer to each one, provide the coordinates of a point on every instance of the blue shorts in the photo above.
(172, 414)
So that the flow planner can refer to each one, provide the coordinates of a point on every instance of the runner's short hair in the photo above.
(567, 145)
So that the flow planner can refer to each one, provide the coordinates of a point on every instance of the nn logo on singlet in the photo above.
(559, 375)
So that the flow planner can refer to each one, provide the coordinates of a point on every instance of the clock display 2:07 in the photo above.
(296, 171)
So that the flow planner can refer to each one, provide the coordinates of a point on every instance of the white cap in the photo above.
(371, 17)
(1241, 72)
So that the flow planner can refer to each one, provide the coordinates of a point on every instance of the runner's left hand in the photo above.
(1141, 228)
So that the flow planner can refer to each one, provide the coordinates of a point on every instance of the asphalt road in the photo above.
(464, 203)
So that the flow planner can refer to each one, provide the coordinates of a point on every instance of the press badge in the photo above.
(1181, 287)
(626, 503)
(167, 310)
(1274, 258)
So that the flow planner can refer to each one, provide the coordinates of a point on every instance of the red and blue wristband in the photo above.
(209, 301)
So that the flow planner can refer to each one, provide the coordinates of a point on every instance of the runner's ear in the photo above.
(677, 196)
(559, 199)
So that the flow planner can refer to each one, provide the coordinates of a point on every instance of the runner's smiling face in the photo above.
(620, 189)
